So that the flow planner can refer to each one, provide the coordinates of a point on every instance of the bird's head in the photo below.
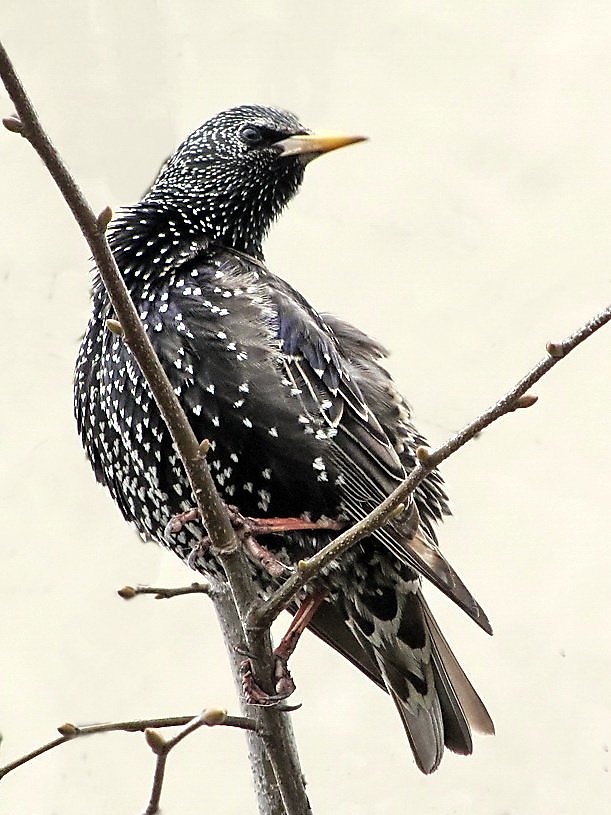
(238, 170)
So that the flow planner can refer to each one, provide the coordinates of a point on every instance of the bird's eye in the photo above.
(251, 135)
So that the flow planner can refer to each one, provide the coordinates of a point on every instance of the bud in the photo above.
(13, 123)
(525, 401)
(154, 740)
(104, 218)
(555, 350)
(422, 454)
(398, 510)
(213, 716)
(67, 729)
(115, 326)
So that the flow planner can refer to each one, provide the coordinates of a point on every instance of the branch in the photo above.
(213, 513)
(70, 731)
(515, 399)
(211, 718)
(275, 731)
(128, 592)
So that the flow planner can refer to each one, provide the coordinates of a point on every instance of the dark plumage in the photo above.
(301, 415)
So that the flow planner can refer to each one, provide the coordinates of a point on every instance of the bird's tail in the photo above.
(407, 655)
(436, 701)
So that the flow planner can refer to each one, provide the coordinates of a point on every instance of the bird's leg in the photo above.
(283, 681)
(276, 526)
(247, 530)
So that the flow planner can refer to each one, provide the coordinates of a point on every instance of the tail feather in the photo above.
(406, 654)
(463, 702)
(329, 625)
(422, 716)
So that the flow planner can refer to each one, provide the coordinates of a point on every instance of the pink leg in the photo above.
(284, 684)
(248, 529)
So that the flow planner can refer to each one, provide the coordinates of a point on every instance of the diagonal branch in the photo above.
(286, 780)
(515, 399)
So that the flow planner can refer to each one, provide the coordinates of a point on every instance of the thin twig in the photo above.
(70, 731)
(153, 804)
(212, 510)
(128, 592)
(161, 747)
(516, 398)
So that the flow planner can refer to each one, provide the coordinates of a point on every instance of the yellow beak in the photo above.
(315, 144)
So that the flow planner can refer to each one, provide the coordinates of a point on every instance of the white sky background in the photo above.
(472, 228)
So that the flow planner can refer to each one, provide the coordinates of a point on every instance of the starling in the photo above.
(302, 418)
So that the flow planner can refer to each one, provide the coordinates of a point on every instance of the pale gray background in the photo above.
(473, 227)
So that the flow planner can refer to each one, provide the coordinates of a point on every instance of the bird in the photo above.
(302, 417)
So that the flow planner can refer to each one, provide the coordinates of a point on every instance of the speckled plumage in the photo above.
(301, 416)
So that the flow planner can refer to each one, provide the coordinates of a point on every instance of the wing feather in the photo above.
(368, 454)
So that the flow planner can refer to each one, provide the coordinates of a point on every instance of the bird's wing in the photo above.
(314, 363)
(394, 414)
(360, 449)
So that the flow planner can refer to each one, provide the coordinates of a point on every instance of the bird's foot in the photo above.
(283, 684)
(177, 523)
(251, 528)
(175, 526)
(260, 553)
(283, 681)
(247, 529)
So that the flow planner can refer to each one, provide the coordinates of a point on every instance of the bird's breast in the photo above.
(213, 329)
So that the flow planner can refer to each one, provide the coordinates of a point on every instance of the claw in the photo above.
(255, 695)
(201, 547)
(177, 523)
(283, 681)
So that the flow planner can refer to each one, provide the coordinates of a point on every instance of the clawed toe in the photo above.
(255, 695)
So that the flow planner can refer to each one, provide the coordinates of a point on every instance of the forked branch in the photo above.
(69, 732)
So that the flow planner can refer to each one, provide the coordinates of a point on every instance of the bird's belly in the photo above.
(269, 466)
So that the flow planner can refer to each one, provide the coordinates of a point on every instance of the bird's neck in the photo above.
(152, 237)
